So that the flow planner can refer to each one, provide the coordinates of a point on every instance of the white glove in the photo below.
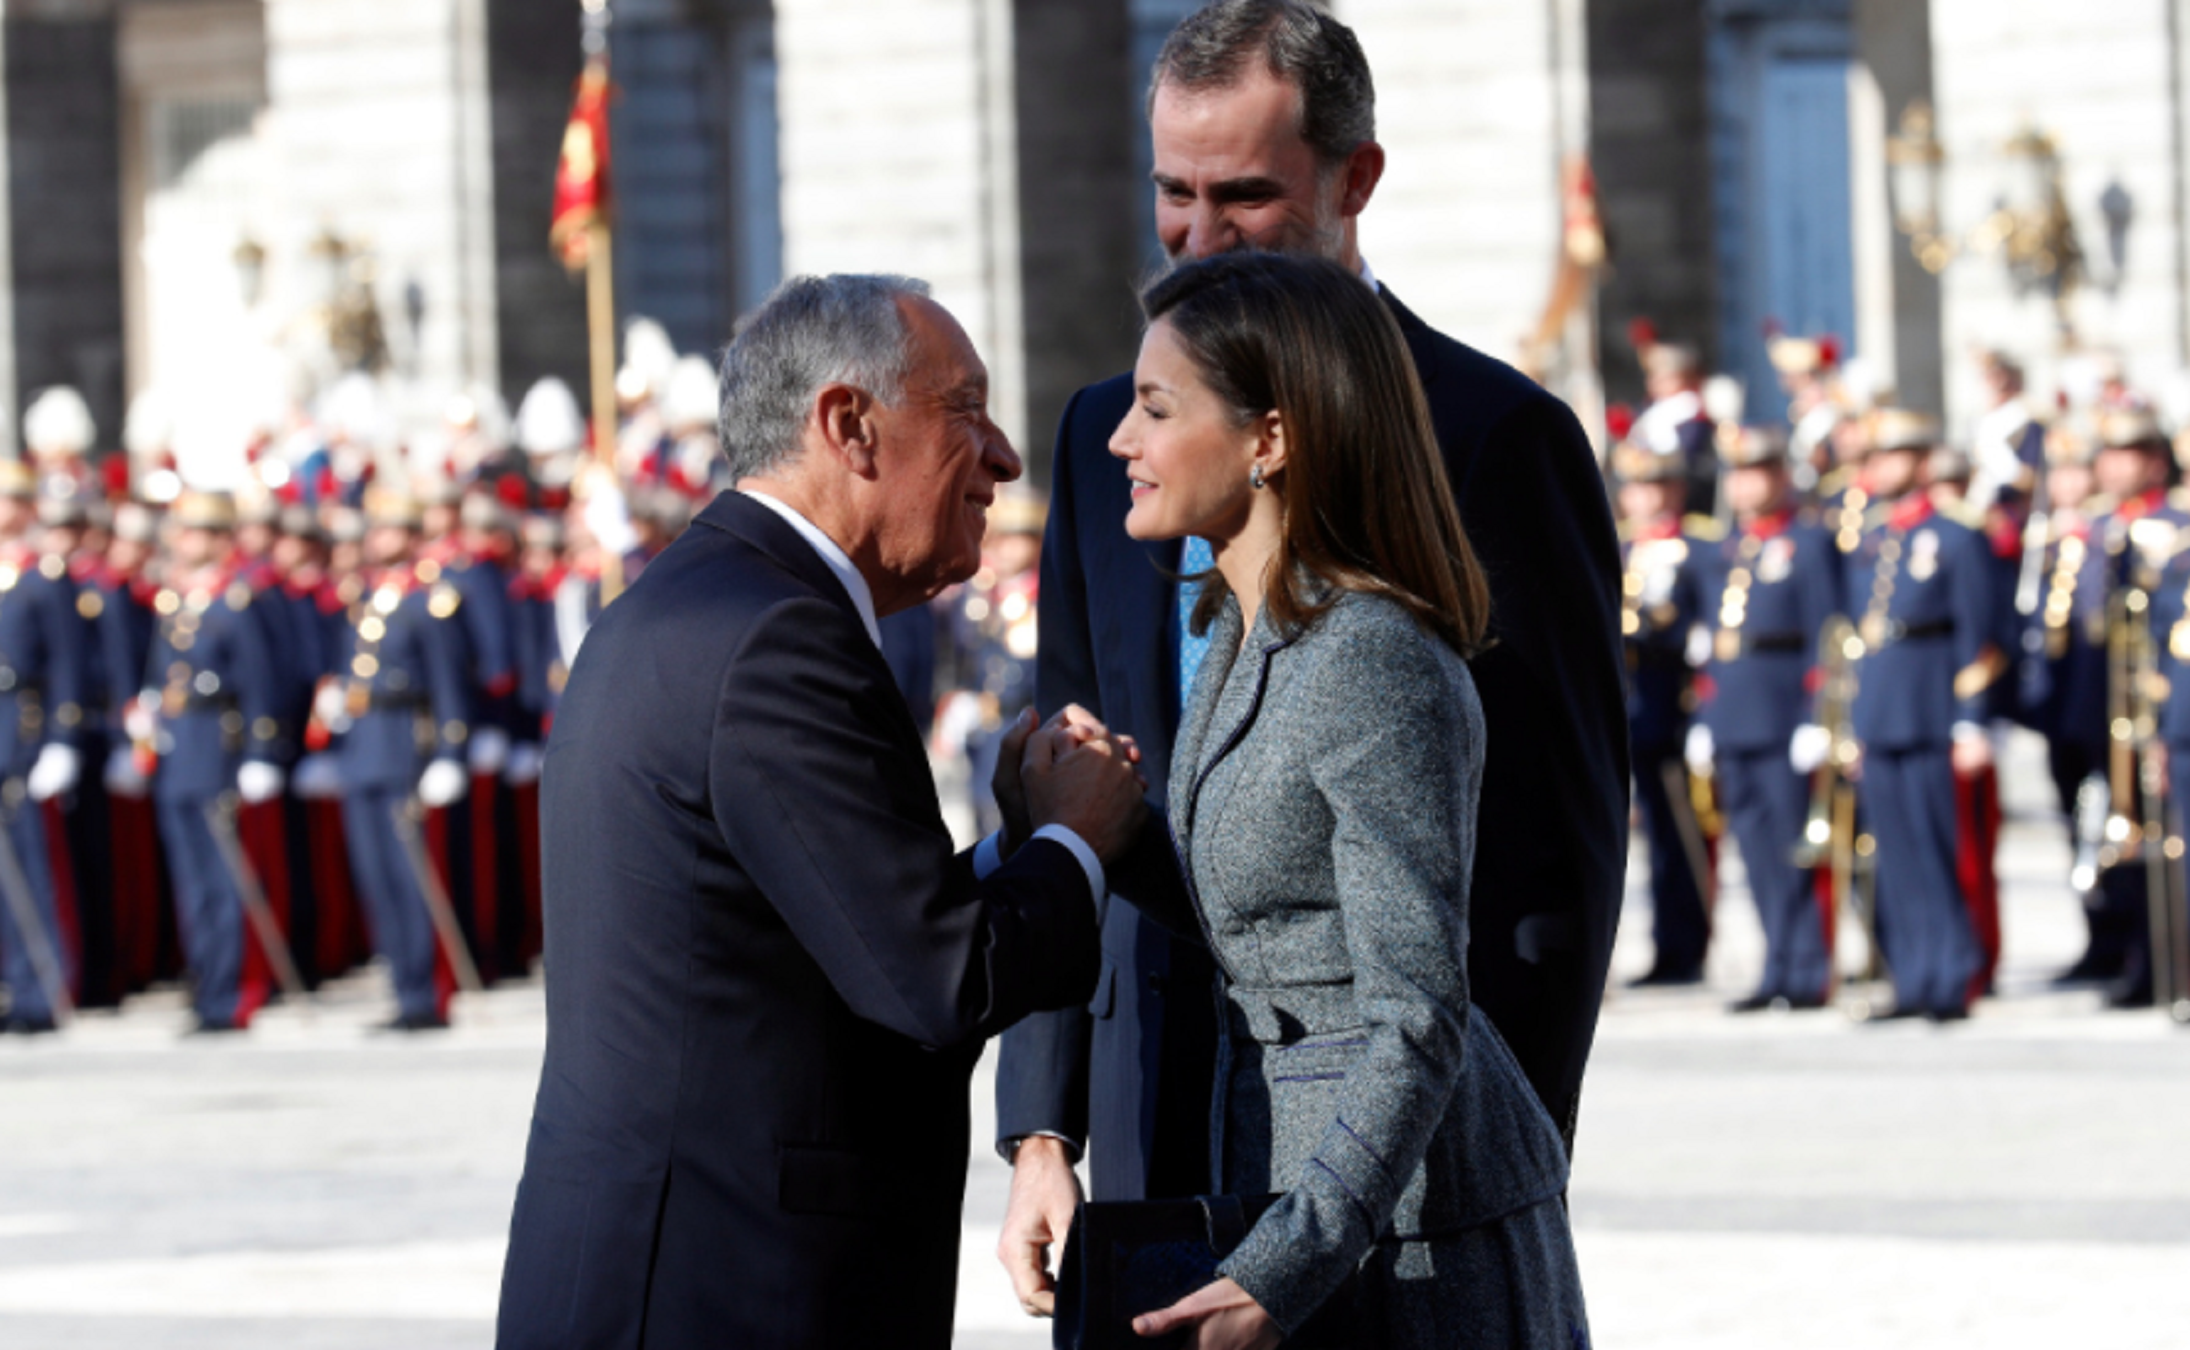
(525, 762)
(1698, 751)
(1808, 747)
(489, 750)
(122, 776)
(56, 771)
(318, 778)
(443, 782)
(141, 719)
(258, 781)
(329, 706)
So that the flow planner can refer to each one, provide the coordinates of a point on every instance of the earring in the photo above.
(1254, 477)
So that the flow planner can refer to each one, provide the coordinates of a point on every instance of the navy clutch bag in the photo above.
(1125, 1258)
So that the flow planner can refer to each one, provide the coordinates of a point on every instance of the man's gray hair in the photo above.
(1299, 44)
(814, 331)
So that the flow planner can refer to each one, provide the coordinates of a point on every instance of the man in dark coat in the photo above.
(1263, 122)
(768, 975)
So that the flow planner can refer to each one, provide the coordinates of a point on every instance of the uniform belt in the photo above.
(1897, 631)
(388, 702)
(209, 703)
(1772, 642)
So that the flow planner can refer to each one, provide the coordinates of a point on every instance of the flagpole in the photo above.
(601, 312)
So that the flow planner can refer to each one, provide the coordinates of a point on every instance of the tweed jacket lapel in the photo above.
(1197, 752)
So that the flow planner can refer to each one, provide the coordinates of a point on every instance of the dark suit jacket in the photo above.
(769, 976)
(1129, 1075)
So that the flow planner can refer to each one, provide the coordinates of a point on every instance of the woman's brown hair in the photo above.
(1366, 504)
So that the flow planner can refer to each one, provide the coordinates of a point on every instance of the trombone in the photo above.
(1829, 836)
(2137, 828)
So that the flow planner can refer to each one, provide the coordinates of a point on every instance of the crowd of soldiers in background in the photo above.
(269, 714)
(1830, 628)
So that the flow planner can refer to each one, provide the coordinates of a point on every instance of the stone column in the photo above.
(60, 262)
(1082, 202)
(1649, 142)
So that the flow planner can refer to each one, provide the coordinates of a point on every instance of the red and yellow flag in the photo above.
(581, 179)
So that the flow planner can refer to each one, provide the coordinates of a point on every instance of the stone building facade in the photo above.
(186, 179)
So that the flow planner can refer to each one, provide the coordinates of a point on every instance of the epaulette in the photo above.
(1624, 531)
(1709, 529)
(2097, 505)
(2179, 498)
(1833, 482)
(443, 600)
(238, 595)
(1963, 514)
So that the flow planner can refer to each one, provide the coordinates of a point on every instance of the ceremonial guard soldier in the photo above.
(2135, 541)
(81, 816)
(1676, 422)
(541, 670)
(2064, 678)
(209, 711)
(993, 640)
(1950, 476)
(397, 701)
(124, 588)
(481, 569)
(1920, 585)
(1658, 610)
(1766, 591)
(41, 679)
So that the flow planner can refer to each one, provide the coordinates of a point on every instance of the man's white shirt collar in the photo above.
(833, 556)
(1368, 274)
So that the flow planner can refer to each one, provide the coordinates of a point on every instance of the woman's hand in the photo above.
(1223, 1316)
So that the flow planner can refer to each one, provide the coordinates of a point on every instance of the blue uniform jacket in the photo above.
(216, 684)
(41, 659)
(1764, 645)
(1661, 608)
(400, 660)
(1919, 586)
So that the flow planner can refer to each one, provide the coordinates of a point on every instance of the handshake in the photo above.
(1071, 771)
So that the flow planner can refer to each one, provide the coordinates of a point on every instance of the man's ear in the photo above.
(1363, 171)
(845, 415)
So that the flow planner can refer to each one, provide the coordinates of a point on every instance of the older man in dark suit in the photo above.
(769, 976)
(1263, 118)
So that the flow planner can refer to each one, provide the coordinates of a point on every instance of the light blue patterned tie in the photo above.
(1194, 560)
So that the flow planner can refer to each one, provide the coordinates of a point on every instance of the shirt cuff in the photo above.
(988, 856)
(1966, 730)
(1008, 1149)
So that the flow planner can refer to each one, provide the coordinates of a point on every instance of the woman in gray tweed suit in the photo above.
(1323, 808)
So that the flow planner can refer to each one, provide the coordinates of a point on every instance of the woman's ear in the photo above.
(1271, 443)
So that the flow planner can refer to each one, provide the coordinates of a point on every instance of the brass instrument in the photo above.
(1829, 837)
(2137, 829)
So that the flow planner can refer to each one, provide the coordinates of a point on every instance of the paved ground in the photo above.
(1789, 1181)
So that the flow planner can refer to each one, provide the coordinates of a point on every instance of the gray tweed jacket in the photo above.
(1323, 802)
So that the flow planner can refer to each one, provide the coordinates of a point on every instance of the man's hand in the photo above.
(1080, 776)
(1006, 784)
(1223, 1316)
(1044, 1194)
